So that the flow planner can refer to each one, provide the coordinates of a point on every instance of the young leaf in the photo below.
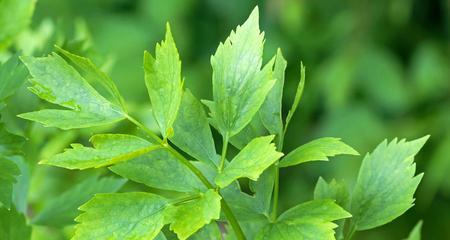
(92, 73)
(310, 220)
(239, 84)
(251, 161)
(317, 150)
(126, 216)
(13, 225)
(189, 217)
(12, 76)
(57, 82)
(61, 210)
(298, 96)
(415, 233)
(159, 169)
(192, 132)
(337, 191)
(8, 174)
(386, 183)
(163, 81)
(108, 149)
(270, 111)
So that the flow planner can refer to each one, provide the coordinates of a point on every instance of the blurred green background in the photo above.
(375, 70)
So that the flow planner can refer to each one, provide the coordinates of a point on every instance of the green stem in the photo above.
(276, 185)
(224, 152)
(226, 209)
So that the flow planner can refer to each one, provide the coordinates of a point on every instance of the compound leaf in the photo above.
(108, 149)
(317, 150)
(192, 132)
(163, 81)
(9, 143)
(239, 84)
(61, 210)
(126, 216)
(92, 73)
(386, 183)
(57, 82)
(250, 162)
(270, 111)
(310, 220)
(188, 218)
(159, 169)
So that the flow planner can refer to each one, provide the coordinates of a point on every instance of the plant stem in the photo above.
(226, 209)
(224, 152)
(276, 185)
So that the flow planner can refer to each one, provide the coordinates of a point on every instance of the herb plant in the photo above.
(182, 157)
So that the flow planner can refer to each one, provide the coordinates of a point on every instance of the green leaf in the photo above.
(239, 84)
(57, 82)
(192, 132)
(9, 143)
(210, 231)
(298, 96)
(336, 191)
(310, 220)
(18, 12)
(188, 218)
(386, 183)
(108, 149)
(159, 169)
(270, 111)
(13, 225)
(262, 189)
(317, 150)
(9, 172)
(251, 161)
(163, 81)
(92, 73)
(12, 76)
(253, 130)
(61, 210)
(415, 233)
(125, 216)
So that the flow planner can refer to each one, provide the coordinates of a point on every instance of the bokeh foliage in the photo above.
(376, 69)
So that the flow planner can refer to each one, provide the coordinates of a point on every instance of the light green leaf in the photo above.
(92, 73)
(386, 183)
(251, 161)
(9, 143)
(262, 189)
(270, 111)
(336, 191)
(60, 211)
(317, 150)
(13, 225)
(9, 172)
(124, 216)
(310, 220)
(159, 169)
(415, 233)
(12, 76)
(163, 81)
(57, 82)
(192, 132)
(108, 149)
(15, 15)
(298, 96)
(187, 218)
(239, 84)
